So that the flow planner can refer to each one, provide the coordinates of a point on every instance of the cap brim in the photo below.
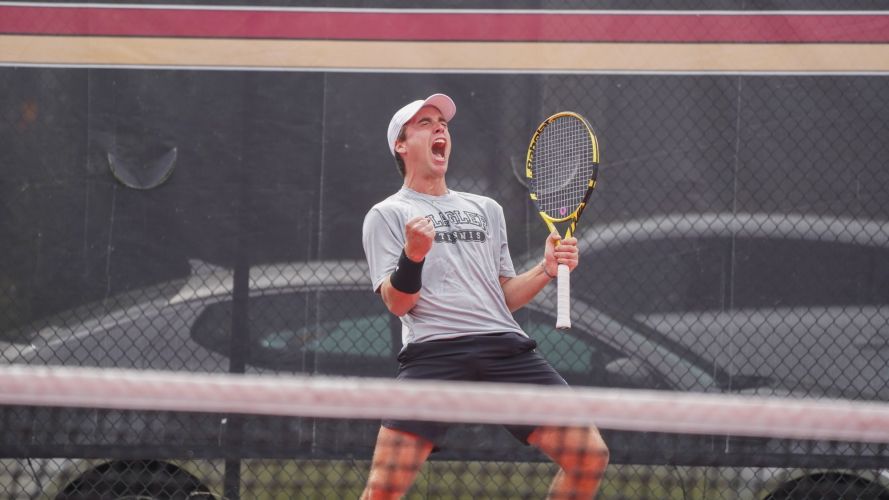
(444, 104)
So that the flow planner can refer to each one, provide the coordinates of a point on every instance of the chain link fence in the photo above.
(210, 221)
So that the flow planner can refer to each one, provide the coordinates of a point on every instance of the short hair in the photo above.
(399, 161)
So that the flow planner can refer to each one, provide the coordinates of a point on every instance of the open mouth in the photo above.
(438, 149)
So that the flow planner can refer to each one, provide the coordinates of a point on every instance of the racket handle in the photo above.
(563, 298)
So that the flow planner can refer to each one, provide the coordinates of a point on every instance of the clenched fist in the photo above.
(419, 233)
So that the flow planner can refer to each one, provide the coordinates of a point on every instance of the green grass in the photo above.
(280, 480)
(345, 479)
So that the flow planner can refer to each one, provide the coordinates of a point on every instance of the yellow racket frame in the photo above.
(575, 215)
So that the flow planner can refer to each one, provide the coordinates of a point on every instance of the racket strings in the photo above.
(562, 166)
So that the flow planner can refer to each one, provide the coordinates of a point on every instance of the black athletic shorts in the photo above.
(498, 357)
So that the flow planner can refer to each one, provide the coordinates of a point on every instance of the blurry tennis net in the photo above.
(106, 433)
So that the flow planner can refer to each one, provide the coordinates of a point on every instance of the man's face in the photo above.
(427, 142)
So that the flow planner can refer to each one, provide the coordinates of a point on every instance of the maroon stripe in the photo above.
(454, 26)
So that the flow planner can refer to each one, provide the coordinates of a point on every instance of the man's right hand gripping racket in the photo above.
(562, 164)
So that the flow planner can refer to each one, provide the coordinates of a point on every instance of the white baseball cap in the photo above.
(444, 104)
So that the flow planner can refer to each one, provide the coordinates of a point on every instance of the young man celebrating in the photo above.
(440, 261)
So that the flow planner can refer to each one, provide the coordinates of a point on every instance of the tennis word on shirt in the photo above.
(455, 219)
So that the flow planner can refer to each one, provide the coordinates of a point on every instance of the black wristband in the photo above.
(407, 277)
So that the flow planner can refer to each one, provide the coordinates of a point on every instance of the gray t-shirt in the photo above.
(461, 292)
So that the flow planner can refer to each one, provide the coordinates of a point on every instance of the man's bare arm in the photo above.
(520, 290)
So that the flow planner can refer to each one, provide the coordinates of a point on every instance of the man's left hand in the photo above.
(560, 251)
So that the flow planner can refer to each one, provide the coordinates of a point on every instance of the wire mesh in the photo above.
(209, 221)
(262, 416)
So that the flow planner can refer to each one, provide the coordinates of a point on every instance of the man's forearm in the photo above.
(520, 290)
(401, 290)
(398, 302)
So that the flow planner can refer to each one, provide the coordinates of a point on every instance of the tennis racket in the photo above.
(562, 164)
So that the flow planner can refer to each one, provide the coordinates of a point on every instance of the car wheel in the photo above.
(136, 480)
(833, 486)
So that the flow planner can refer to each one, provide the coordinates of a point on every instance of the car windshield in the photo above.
(292, 332)
(367, 336)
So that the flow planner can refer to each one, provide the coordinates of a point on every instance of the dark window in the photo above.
(302, 332)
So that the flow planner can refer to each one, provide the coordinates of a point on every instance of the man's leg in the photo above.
(397, 458)
(582, 455)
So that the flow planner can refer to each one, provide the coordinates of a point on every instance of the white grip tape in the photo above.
(563, 298)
